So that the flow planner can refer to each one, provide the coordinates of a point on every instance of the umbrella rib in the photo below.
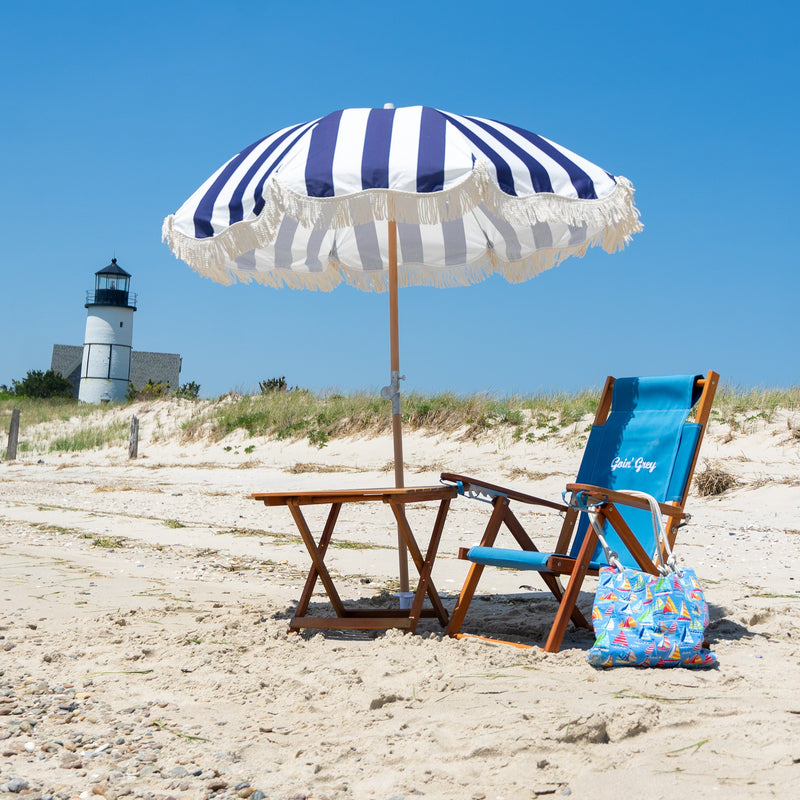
(489, 242)
(332, 254)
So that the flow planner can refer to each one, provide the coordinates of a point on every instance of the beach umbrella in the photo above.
(387, 197)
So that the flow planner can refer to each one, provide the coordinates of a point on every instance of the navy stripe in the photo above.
(583, 184)
(542, 236)
(410, 238)
(205, 208)
(430, 159)
(284, 257)
(540, 177)
(235, 208)
(316, 239)
(377, 141)
(505, 177)
(578, 234)
(259, 190)
(369, 251)
(246, 261)
(319, 165)
(455, 243)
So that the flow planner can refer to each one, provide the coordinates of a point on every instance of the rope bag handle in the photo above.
(667, 567)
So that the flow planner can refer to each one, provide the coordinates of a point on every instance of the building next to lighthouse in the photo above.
(106, 365)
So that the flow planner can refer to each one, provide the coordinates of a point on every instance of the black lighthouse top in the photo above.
(111, 288)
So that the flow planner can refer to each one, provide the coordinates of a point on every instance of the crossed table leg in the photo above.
(367, 619)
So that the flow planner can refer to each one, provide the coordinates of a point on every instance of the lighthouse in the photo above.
(106, 365)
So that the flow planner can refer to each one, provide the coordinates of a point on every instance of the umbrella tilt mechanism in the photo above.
(392, 391)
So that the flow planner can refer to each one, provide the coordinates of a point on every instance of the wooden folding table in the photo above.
(364, 618)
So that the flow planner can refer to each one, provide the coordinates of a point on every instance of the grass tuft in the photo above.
(713, 481)
(91, 437)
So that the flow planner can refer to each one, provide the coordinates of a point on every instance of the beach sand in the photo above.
(144, 648)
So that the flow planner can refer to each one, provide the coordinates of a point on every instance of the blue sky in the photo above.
(114, 113)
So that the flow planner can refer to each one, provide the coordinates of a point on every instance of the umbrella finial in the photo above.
(388, 105)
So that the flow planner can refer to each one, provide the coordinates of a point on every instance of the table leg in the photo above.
(313, 574)
(425, 585)
(317, 556)
(430, 557)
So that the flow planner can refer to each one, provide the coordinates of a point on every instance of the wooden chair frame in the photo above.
(607, 510)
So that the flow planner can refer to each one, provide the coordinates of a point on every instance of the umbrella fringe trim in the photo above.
(615, 215)
(344, 211)
(408, 274)
(414, 274)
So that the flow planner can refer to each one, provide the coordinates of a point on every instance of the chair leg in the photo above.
(568, 601)
(464, 599)
(476, 570)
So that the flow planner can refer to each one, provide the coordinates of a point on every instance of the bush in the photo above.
(189, 391)
(150, 391)
(272, 385)
(42, 385)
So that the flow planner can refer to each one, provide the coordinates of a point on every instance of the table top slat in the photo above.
(407, 494)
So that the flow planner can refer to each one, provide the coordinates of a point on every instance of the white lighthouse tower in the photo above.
(106, 366)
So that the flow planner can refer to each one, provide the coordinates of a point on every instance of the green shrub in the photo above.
(42, 385)
(272, 385)
(150, 391)
(189, 391)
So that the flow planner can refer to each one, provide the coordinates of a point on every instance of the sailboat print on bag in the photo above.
(649, 620)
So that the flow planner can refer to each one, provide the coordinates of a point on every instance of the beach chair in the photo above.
(643, 439)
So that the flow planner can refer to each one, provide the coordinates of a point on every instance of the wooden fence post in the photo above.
(13, 436)
(133, 445)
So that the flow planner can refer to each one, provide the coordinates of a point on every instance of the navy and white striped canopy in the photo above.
(307, 206)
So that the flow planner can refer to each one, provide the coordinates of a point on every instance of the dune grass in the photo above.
(90, 437)
(34, 411)
(321, 417)
(739, 408)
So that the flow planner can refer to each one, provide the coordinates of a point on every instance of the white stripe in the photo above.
(404, 149)
(457, 156)
(349, 151)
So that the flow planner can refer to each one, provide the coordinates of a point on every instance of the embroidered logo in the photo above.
(637, 464)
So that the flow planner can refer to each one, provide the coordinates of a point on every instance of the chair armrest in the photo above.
(462, 482)
(603, 495)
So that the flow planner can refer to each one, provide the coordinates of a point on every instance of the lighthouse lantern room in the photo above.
(106, 365)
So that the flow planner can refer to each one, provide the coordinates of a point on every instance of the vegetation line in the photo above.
(292, 413)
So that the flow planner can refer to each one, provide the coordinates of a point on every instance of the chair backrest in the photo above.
(646, 444)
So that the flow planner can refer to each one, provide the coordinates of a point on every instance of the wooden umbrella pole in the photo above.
(397, 420)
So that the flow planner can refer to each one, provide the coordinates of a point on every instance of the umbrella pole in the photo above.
(397, 420)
